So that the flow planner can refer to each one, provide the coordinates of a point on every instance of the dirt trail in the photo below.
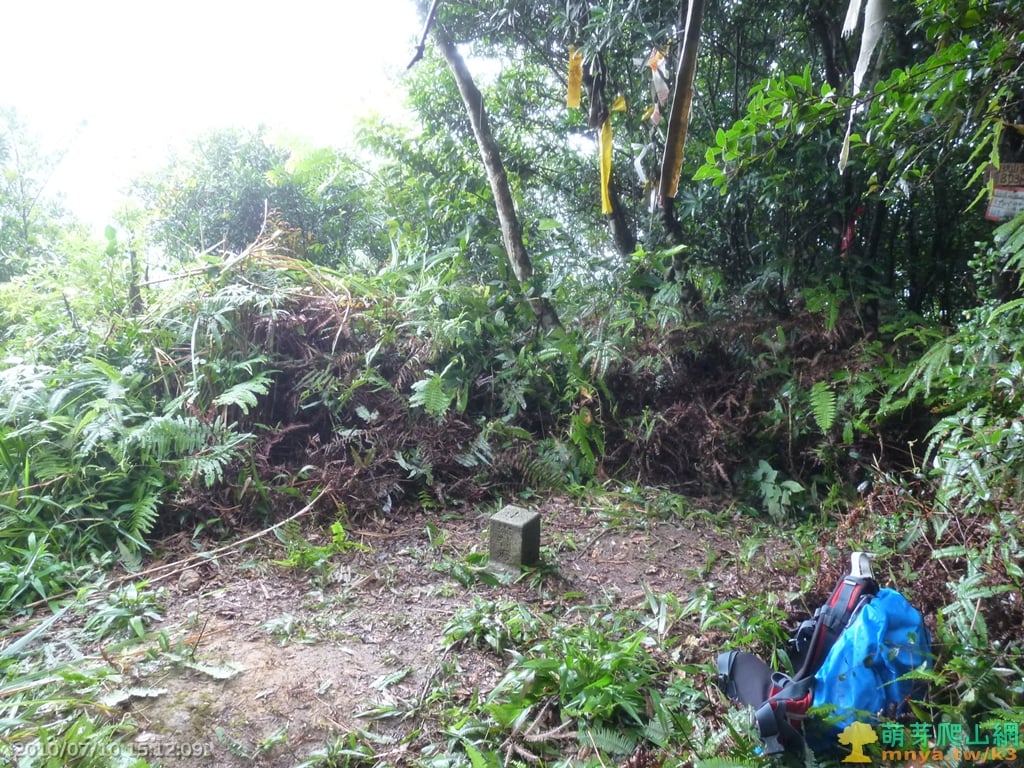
(306, 654)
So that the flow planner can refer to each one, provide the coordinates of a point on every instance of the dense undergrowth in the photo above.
(233, 392)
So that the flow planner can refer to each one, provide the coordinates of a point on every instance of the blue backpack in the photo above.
(851, 661)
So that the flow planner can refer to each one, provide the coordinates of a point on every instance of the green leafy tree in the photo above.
(217, 195)
(433, 195)
(231, 186)
(31, 221)
(328, 203)
(490, 152)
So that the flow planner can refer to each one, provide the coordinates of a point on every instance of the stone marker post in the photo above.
(515, 537)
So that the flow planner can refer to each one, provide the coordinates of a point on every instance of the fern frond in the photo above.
(416, 464)
(167, 437)
(934, 364)
(1015, 715)
(609, 741)
(530, 471)
(823, 405)
(144, 514)
(660, 728)
(478, 454)
(23, 393)
(131, 555)
(209, 465)
(432, 395)
(411, 368)
(245, 394)
(600, 355)
(513, 396)
(95, 429)
(288, 532)
(1010, 239)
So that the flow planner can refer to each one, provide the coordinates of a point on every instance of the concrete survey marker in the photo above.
(515, 537)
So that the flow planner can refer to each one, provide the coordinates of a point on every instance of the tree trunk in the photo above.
(679, 116)
(622, 233)
(511, 229)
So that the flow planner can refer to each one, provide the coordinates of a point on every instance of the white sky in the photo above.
(117, 82)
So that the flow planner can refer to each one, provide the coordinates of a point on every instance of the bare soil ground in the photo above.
(303, 655)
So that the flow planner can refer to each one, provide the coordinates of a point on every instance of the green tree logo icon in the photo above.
(855, 736)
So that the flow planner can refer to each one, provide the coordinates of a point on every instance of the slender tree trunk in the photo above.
(511, 229)
(622, 233)
(823, 25)
(690, 22)
(134, 291)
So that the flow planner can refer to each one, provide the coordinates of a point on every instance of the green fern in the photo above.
(131, 555)
(167, 437)
(933, 365)
(602, 353)
(662, 727)
(209, 465)
(288, 532)
(416, 464)
(532, 471)
(478, 454)
(611, 742)
(23, 393)
(245, 395)
(432, 396)
(823, 405)
(144, 513)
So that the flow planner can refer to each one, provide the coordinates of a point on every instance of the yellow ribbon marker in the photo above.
(572, 99)
(605, 145)
(620, 104)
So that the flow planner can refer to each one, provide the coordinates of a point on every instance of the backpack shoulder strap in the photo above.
(816, 637)
(744, 678)
(780, 719)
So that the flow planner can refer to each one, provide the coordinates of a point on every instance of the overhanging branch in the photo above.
(422, 46)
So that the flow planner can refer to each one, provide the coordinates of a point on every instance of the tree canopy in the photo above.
(31, 219)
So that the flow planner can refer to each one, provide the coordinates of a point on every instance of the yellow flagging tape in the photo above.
(572, 99)
(606, 165)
